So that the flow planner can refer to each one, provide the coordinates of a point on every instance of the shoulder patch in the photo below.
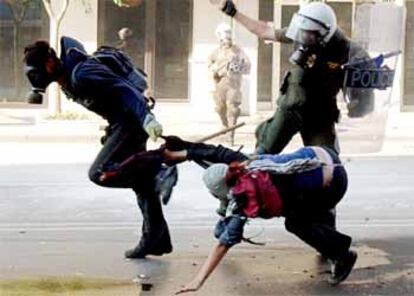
(333, 65)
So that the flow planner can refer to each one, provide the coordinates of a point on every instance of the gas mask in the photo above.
(39, 78)
(307, 49)
(226, 42)
(311, 29)
(224, 35)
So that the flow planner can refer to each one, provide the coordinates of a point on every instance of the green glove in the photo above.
(124, 3)
(119, 3)
(152, 127)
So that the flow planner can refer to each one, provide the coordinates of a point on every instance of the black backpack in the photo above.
(121, 64)
(116, 60)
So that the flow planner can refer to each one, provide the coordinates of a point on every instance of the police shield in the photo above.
(370, 72)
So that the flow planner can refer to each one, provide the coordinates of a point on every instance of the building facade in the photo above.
(173, 39)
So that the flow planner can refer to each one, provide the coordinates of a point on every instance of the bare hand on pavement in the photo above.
(190, 287)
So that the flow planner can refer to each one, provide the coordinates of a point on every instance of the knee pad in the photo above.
(234, 111)
(220, 109)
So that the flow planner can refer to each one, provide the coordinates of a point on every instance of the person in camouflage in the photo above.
(227, 64)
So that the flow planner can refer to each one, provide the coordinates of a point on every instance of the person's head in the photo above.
(42, 67)
(224, 34)
(214, 178)
(312, 27)
(314, 24)
(125, 33)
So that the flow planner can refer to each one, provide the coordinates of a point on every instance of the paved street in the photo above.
(53, 221)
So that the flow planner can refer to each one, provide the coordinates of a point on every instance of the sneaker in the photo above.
(342, 268)
(166, 179)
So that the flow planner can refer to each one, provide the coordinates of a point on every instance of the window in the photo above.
(286, 49)
(173, 39)
(265, 57)
(15, 34)
(408, 92)
(160, 43)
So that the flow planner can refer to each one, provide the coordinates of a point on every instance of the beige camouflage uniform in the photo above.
(227, 65)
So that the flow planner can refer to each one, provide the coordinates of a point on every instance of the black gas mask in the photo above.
(300, 56)
(39, 78)
(307, 49)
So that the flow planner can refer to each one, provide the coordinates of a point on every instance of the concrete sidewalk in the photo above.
(28, 126)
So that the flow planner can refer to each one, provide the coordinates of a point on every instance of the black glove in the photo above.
(174, 143)
(229, 8)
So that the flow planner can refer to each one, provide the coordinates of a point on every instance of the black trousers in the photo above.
(313, 220)
(123, 141)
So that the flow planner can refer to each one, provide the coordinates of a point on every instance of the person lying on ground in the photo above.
(303, 187)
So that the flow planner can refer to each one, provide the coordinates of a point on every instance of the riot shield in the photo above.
(370, 75)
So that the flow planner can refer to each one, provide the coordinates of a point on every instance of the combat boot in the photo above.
(342, 268)
(155, 238)
(148, 246)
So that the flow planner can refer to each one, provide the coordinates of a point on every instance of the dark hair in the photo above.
(38, 53)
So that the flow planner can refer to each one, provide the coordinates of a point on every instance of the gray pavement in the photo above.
(53, 221)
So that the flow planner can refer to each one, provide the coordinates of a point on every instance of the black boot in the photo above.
(214, 154)
(148, 246)
(155, 234)
(342, 268)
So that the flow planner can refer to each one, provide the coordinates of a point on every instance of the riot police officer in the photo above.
(307, 102)
(227, 64)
